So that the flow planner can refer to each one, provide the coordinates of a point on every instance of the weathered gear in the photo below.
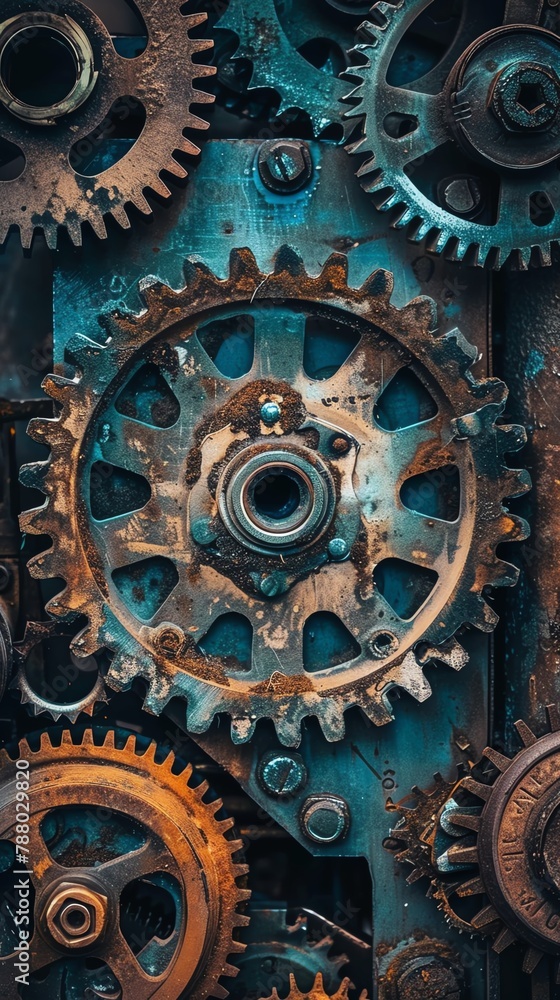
(108, 818)
(203, 545)
(494, 834)
(492, 105)
(51, 191)
(275, 949)
(276, 60)
(317, 992)
(38, 703)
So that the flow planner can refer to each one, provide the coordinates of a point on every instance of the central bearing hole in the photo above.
(39, 69)
(76, 919)
(277, 495)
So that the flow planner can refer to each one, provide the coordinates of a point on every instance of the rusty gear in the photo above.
(196, 538)
(498, 203)
(38, 703)
(151, 824)
(317, 992)
(494, 834)
(51, 191)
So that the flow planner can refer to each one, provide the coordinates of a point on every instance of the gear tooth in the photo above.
(97, 223)
(109, 740)
(50, 232)
(160, 187)
(510, 438)
(533, 957)
(505, 938)
(421, 314)
(86, 643)
(553, 717)
(242, 729)
(526, 735)
(74, 230)
(174, 167)
(335, 271)
(120, 215)
(380, 285)
(243, 262)
(66, 740)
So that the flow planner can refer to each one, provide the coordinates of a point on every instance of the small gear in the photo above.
(466, 156)
(317, 991)
(276, 948)
(53, 188)
(278, 62)
(40, 703)
(213, 526)
(494, 834)
(111, 823)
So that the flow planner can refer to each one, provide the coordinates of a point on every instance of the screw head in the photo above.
(270, 413)
(462, 195)
(338, 549)
(202, 531)
(270, 586)
(285, 166)
(340, 445)
(325, 818)
(282, 774)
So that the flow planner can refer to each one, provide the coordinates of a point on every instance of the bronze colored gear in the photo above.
(51, 192)
(494, 834)
(317, 992)
(218, 421)
(181, 837)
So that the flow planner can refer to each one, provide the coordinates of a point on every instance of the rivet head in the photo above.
(338, 548)
(325, 818)
(270, 413)
(202, 531)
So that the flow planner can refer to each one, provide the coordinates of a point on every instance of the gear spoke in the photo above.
(279, 338)
(133, 980)
(147, 860)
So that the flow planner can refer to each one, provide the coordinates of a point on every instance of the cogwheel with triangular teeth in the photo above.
(317, 991)
(209, 544)
(493, 834)
(107, 811)
(49, 699)
(278, 65)
(499, 204)
(56, 187)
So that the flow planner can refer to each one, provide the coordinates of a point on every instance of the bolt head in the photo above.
(285, 166)
(270, 413)
(526, 97)
(170, 640)
(76, 915)
(325, 818)
(282, 774)
(338, 549)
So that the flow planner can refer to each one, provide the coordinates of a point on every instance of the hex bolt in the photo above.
(170, 640)
(338, 549)
(270, 413)
(325, 818)
(282, 774)
(202, 531)
(285, 166)
(462, 195)
(5, 578)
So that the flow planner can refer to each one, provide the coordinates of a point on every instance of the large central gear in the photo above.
(466, 155)
(290, 539)
(114, 827)
(54, 138)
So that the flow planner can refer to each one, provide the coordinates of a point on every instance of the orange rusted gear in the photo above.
(52, 191)
(182, 838)
(218, 418)
(317, 991)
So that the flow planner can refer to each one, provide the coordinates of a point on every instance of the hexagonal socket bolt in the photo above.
(285, 166)
(76, 915)
(282, 774)
(325, 818)
(527, 96)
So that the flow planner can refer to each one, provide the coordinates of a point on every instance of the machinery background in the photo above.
(279, 345)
